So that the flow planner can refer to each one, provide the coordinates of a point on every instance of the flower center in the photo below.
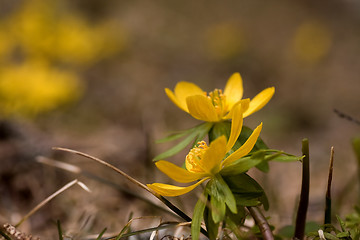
(218, 99)
(193, 160)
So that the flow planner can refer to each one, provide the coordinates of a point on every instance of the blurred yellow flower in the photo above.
(38, 39)
(32, 88)
(312, 41)
(204, 162)
(217, 105)
(225, 41)
(42, 30)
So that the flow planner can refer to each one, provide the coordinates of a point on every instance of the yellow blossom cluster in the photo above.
(32, 88)
(42, 46)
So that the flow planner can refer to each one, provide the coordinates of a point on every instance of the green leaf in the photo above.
(311, 226)
(202, 133)
(240, 166)
(330, 236)
(196, 133)
(232, 219)
(264, 167)
(341, 222)
(177, 148)
(219, 129)
(280, 156)
(257, 158)
(244, 185)
(287, 231)
(248, 200)
(343, 235)
(174, 136)
(221, 196)
(198, 215)
(228, 195)
(218, 209)
(211, 227)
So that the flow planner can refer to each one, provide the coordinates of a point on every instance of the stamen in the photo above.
(218, 99)
(194, 158)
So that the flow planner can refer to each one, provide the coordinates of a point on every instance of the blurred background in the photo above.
(90, 75)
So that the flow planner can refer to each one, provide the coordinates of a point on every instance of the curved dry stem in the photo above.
(40, 205)
(133, 180)
(136, 182)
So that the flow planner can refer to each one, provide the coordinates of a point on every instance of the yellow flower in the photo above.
(35, 87)
(217, 105)
(204, 162)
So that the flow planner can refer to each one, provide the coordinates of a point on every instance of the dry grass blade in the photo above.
(58, 164)
(133, 180)
(48, 199)
(77, 170)
(136, 182)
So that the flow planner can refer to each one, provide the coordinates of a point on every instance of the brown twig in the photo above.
(261, 223)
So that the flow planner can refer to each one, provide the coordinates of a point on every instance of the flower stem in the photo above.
(304, 195)
(261, 222)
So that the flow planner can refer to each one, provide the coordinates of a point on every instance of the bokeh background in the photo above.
(90, 75)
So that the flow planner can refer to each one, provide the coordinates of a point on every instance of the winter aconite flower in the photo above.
(35, 87)
(217, 105)
(205, 162)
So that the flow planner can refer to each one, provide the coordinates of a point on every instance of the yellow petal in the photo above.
(233, 90)
(201, 107)
(174, 99)
(244, 106)
(181, 92)
(211, 161)
(236, 125)
(168, 190)
(177, 173)
(259, 101)
(245, 148)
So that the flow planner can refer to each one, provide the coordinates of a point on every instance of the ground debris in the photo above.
(14, 233)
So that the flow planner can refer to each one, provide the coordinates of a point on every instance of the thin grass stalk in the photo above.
(304, 195)
(101, 234)
(136, 182)
(48, 199)
(3, 234)
(77, 170)
(261, 222)
(59, 230)
(162, 226)
(327, 218)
